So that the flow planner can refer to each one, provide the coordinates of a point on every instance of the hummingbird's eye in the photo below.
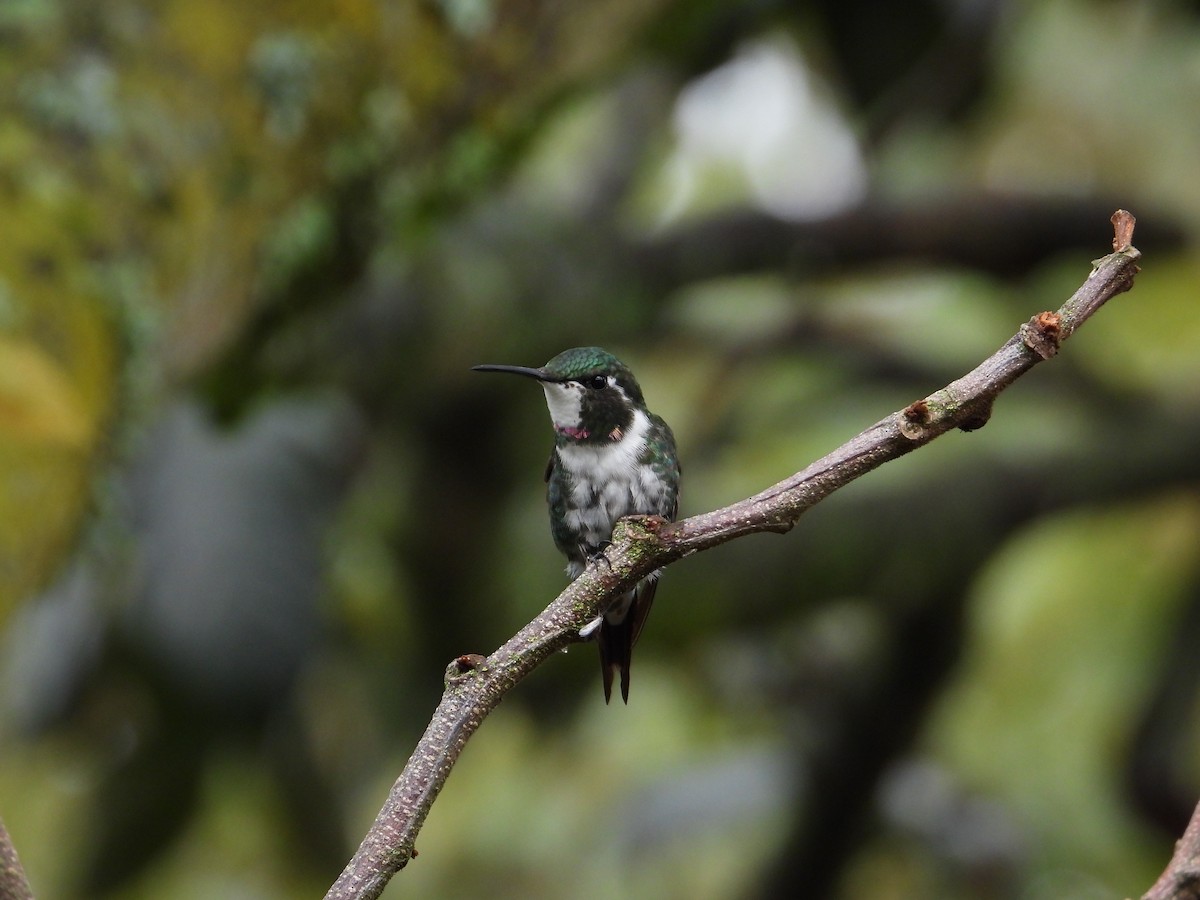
(596, 382)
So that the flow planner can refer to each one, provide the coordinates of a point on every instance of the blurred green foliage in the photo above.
(967, 675)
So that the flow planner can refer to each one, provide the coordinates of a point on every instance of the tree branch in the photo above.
(1181, 878)
(13, 883)
(475, 684)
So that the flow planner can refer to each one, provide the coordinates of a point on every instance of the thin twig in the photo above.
(474, 684)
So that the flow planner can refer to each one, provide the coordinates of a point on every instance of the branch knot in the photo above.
(462, 666)
(914, 418)
(1043, 334)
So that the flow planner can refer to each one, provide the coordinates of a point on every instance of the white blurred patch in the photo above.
(761, 116)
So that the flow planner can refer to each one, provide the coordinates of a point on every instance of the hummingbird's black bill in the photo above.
(539, 374)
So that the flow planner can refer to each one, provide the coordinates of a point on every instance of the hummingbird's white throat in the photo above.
(565, 400)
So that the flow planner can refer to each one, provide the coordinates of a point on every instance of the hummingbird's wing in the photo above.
(639, 611)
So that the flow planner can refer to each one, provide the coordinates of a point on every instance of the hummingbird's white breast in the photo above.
(608, 481)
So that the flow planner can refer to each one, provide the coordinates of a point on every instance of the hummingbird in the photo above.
(612, 457)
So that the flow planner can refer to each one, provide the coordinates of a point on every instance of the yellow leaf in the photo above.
(38, 403)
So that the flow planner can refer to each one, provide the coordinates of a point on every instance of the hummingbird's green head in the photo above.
(591, 394)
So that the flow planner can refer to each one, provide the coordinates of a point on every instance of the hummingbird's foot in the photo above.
(597, 555)
(589, 630)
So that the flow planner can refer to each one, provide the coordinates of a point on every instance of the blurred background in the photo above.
(252, 500)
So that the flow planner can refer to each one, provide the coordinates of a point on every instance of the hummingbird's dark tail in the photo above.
(615, 654)
(616, 639)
